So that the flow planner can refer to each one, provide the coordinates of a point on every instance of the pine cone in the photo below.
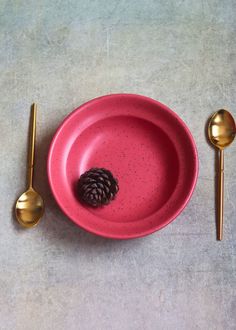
(97, 187)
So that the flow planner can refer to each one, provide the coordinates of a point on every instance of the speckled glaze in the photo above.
(144, 144)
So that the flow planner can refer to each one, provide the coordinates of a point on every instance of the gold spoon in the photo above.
(29, 206)
(221, 132)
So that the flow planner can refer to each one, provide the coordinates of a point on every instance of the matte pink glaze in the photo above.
(146, 146)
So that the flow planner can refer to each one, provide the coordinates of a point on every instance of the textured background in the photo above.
(61, 54)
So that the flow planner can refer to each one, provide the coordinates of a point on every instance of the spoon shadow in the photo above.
(216, 181)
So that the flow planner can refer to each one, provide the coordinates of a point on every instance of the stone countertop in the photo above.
(61, 54)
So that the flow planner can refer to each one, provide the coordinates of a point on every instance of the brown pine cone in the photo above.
(97, 187)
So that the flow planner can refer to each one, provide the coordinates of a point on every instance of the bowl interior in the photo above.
(139, 154)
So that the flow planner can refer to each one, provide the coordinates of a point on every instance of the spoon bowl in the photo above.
(29, 208)
(221, 129)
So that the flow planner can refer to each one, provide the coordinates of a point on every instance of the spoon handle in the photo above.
(221, 196)
(31, 150)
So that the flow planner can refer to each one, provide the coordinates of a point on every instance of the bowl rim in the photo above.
(154, 228)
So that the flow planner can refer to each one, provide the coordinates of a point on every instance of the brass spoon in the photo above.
(29, 206)
(221, 132)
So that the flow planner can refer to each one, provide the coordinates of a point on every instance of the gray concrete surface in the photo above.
(61, 54)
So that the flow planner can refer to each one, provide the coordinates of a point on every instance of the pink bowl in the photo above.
(144, 144)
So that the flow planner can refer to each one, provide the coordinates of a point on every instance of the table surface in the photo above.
(61, 54)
